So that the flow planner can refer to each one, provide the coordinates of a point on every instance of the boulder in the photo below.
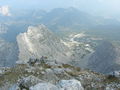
(70, 85)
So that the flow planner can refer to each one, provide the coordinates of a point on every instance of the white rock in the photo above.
(113, 86)
(70, 85)
(109, 88)
(14, 87)
(58, 70)
(44, 86)
(116, 73)
(1, 71)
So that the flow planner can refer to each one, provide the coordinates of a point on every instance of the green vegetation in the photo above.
(111, 78)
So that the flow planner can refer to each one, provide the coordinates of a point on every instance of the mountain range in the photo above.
(60, 20)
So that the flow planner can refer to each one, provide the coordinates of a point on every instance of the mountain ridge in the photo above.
(105, 59)
(38, 41)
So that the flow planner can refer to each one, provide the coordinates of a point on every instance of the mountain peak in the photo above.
(37, 29)
(39, 41)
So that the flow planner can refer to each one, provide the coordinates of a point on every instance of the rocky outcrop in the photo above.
(70, 85)
(27, 82)
(105, 59)
(38, 41)
(47, 76)
(62, 85)
(33, 83)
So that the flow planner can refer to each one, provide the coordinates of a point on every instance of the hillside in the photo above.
(106, 58)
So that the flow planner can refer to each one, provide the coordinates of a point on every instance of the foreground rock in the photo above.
(32, 83)
(44, 86)
(70, 85)
(47, 76)
(25, 83)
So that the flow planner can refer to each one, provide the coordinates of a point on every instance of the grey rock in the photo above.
(70, 85)
(27, 82)
(38, 41)
(44, 86)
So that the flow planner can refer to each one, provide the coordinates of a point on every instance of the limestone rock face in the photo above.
(38, 41)
(105, 59)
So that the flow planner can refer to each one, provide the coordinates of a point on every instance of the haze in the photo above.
(106, 8)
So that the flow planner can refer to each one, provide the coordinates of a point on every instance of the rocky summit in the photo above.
(49, 75)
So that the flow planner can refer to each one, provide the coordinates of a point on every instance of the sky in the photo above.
(4, 10)
(107, 8)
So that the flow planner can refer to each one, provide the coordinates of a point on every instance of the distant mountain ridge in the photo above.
(59, 20)
(105, 59)
(8, 53)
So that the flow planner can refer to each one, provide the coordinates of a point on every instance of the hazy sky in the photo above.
(107, 8)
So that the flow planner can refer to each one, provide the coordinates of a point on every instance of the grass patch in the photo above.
(71, 67)
(111, 78)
